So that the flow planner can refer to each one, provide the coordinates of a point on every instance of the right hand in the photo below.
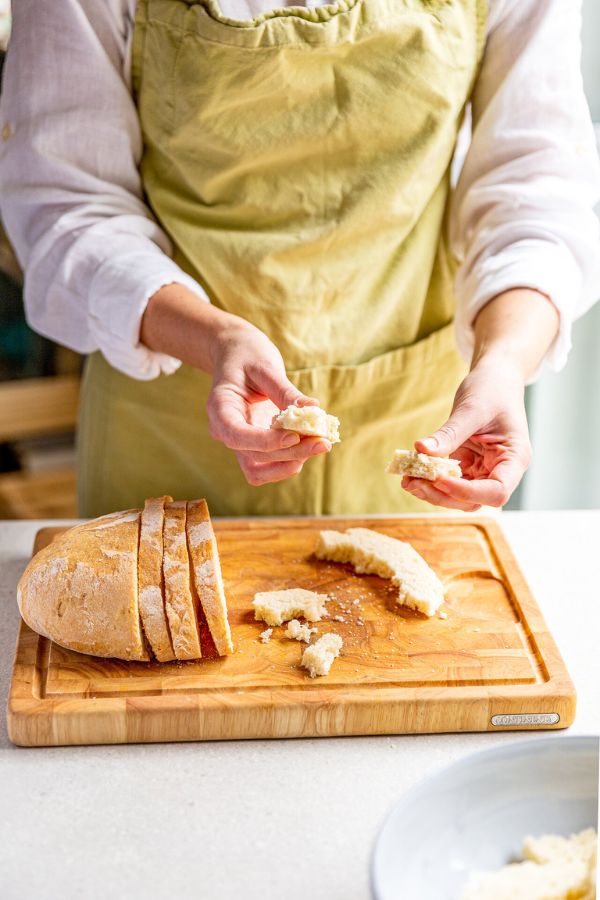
(250, 386)
(249, 381)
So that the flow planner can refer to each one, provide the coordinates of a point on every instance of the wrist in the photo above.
(514, 331)
(498, 361)
(181, 324)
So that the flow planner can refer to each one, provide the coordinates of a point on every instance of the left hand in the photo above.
(487, 431)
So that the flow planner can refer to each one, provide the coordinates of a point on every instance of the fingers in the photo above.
(308, 446)
(257, 473)
(465, 421)
(461, 493)
(227, 423)
(275, 385)
(427, 490)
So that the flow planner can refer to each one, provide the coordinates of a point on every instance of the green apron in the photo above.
(300, 164)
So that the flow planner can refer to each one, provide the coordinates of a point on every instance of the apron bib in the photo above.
(300, 164)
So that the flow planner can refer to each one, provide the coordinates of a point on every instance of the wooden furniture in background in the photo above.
(30, 408)
(491, 665)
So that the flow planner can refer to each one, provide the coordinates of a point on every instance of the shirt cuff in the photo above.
(118, 295)
(540, 265)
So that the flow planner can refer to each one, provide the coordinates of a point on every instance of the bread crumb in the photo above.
(339, 619)
(296, 631)
(443, 615)
(319, 657)
(265, 635)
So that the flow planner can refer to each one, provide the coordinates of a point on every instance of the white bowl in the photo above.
(474, 815)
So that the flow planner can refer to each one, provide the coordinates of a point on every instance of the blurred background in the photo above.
(39, 384)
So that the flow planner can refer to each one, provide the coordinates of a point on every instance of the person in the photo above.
(236, 206)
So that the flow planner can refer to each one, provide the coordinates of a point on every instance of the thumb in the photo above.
(278, 388)
(464, 422)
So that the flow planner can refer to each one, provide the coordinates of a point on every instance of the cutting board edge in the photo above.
(50, 723)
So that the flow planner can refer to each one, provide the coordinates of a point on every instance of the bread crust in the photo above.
(81, 591)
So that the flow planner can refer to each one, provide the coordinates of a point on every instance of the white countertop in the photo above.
(276, 820)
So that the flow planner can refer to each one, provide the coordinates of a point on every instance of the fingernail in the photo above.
(290, 440)
(431, 443)
(322, 447)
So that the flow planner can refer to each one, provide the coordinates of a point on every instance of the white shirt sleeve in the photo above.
(522, 213)
(70, 189)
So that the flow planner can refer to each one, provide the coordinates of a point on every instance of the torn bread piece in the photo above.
(206, 570)
(296, 631)
(276, 607)
(555, 868)
(319, 657)
(420, 465)
(179, 602)
(373, 553)
(150, 579)
(557, 880)
(309, 420)
(547, 847)
(81, 591)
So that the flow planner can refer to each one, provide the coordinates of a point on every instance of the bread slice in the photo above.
(81, 591)
(420, 465)
(206, 571)
(276, 607)
(179, 602)
(373, 553)
(319, 657)
(150, 579)
(309, 420)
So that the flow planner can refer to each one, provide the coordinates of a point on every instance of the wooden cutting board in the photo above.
(491, 665)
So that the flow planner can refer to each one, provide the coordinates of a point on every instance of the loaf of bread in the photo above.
(309, 420)
(121, 585)
(420, 465)
(373, 553)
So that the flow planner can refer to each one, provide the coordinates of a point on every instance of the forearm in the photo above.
(517, 327)
(178, 323)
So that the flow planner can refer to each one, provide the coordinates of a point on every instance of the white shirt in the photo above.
(72, 201)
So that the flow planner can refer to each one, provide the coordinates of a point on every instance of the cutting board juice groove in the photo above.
(399, 672)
